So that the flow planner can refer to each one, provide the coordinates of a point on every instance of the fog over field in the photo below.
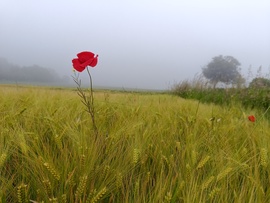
(147, 44)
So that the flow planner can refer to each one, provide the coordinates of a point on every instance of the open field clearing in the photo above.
(150, 148)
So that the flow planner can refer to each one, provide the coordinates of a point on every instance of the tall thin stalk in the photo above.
(88, 101)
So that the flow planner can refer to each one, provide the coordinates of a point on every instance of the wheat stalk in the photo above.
(137, 186)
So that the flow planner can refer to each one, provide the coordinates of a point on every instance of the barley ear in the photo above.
(81, 186)
(181, 186)
(119, 180)
(178, 145)
(135, 156)
(168, 197)
(48, 188)
(70, 179)
(64, 198)
(224, 173)
(105, 171)
(264, 157)
(203, 162)
(52, 170)
(82, 160)
(207, 182)
(22, 193)
(188, 171)
(53, 200)
(214, 192)
(98, 195)
(3, 158)
(58, 141)
(193, 157)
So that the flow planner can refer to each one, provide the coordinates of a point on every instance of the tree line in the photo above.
(28, 74)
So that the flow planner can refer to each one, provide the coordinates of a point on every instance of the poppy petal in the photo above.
(77, 65)
(252, 118)
(87, 63)
(94, 62)
(85, 56)
(84, 59)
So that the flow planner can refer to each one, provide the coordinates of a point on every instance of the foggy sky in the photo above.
(141, 43)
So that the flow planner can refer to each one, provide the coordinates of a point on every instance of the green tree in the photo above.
(223, 69)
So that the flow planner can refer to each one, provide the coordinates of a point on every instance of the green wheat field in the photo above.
(152, 147)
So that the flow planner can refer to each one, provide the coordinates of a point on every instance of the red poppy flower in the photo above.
(84, 59)
(252, 118)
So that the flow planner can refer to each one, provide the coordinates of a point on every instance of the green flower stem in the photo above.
(87, 101)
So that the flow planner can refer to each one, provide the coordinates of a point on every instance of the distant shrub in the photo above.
(260, 83)
(186, 88)
(257, 96)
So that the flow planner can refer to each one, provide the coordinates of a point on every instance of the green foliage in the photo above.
(252, 97)
(223, 69)
(156, 148)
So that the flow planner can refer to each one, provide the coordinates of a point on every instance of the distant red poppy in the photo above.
(84, 59)
(252, 118)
